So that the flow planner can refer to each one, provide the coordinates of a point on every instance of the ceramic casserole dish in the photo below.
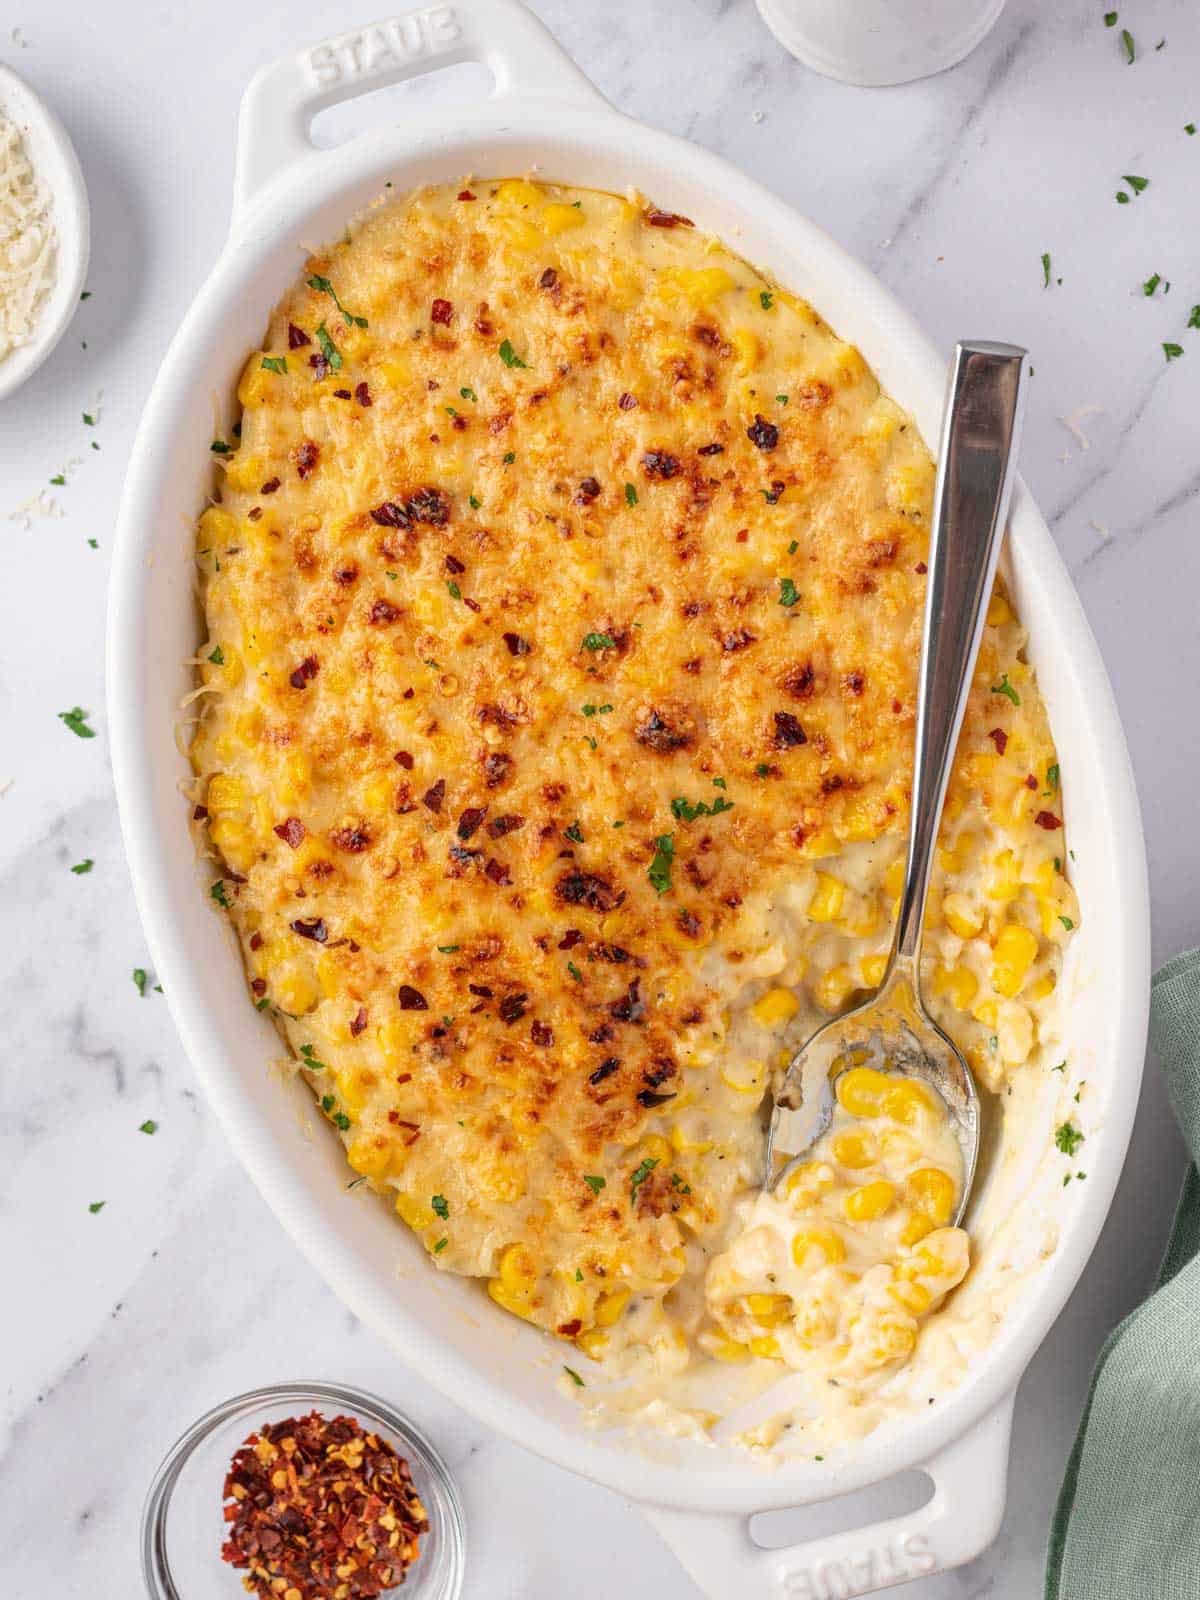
(544, 116)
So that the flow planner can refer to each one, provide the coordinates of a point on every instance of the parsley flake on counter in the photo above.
(570, 1371)
(89, 419)
(97, 1205)
(76, 720)
(1172, 351)
(59, 480)
(1189, 127)
(83, 866)
(789, 595)
(1006, 689)
(328, 349)
(139, 980)
(630, 495)
(323, 286)
(594, 1183)
(1110, 19)
(659, 870)
(86, 295)
(274, 363)
(639, 1176)
(1151, 284)
(94, 544)
(1130, 48)
(509, 356)
(1193, 320)
(766, 299)
(149, 1126)
(440, 1206)
(1135, 183)
(1068, 1138)
(1045, 270)
(597, 641)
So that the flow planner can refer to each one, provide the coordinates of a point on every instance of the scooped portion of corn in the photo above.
(835, 1270)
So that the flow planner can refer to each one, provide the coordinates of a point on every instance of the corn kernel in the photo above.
(610, 1306)
(657, 1148)
(807, 1181)
(413, 1211)
(828, 896)
(512, 1300)
(766, 1348)
(1013, 956)
(729, 1350)
(833, 989)
(700, 286)
(774, 1007)
(686, 1145)
(592, 1343)
(829, 1246)
(747, 349)
(854, 1149)
(961, 916)
(999, 611)
(871, 1202)
(769, 1309)
(860, 1091)
(745, 1077)
(557, 218)
(1005, 878)
(517, 1269)
(371, 1157)
(217, 527)
(933, 1191)
(916, 1226)
(906, 1101)
(516, 192)
(873, 969)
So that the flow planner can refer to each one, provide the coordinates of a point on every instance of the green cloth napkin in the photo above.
(1127, 1525)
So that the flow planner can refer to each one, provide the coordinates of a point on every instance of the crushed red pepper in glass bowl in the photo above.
(320, 1509)
(355, 1474)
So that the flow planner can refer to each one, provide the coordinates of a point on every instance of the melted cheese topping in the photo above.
(563, 603)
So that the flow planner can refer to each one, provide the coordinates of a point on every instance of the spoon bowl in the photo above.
(892, 1031)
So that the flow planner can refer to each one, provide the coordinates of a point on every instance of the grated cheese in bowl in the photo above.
(27, 243)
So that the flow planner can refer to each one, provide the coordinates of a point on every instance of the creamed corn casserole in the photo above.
(563, 602)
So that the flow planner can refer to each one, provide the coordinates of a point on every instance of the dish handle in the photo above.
(960, 1520)
(283, 97)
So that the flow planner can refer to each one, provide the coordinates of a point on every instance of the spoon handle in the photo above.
(984, 403)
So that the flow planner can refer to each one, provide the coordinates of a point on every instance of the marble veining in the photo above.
(121, 1325)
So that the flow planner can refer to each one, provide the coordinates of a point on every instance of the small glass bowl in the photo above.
(182, 1523)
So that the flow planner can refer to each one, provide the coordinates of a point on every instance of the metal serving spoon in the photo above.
(892, 1030)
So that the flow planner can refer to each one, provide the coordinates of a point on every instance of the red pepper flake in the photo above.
(306, 457)
(345, 575)
(383, 612)
(403, 759)
(270, 486)
(469, 822)
(465, 194)
(471, 605)
(660, 464)
(548, 279)
(1000, 739)
(259, 987)
(497, 872)
(921, 569)
(589, 490)
(499, 826)
(316, 931)
(512, 1008)
(353, 838)
(411, 999)
(788, 732)
(317, 1508)
(711, 450)
(453, 564)
(516, 645)
(433, 796)
(358, 1023)
(342, 394)
(362, 394)
(1031, 782)
(256, 941)
(297, 337)
(305, 673)
(292, 832)
(762, 433)
(199, 813)
(541, 1034)
(441, 311)
(667, 219)
(1047, 820)
(496, 768)
(626, 402)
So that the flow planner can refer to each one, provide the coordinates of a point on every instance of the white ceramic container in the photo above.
(544, 116)
(877, 42)
(53, 158)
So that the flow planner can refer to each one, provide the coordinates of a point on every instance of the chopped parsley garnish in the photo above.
(447, 949)
(789, 595)
(1061, 1066)
(719, 783)
(630, 495)
(440, 1246)
(1068, 1138)
(217, 657)
(578, 1275)
(1130, 50)
(1171, 351)
(340, 1120)
(468, 394)
(220, 448)
(678, 1183)
(261, 1005)
(781, 399)
(688, 810)
(455, 591)
(1052, 775)
(596, 711)
(574, 832)
(639, 1176)
(1006, 689)
(1151, 284)
(1045, 270)
(570, 1371)
(509, 457)
(323, 286)
(83, 866)
(474, 502)
(149, 1126)
(594, 1183)
(76, 720)
(762, 769)
(597, 641)
(509, 356)
(310, 1059)
(218, 893)
(1067, 923)
(274, 363)
(793, 547)
(620, 824)
(575, 972)
(440, 1206)
(328, 349)
(659, 870)
(97, 1205)
(139, 980)
(766, 299)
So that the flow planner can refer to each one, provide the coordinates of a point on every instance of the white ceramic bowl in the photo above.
(543, 114)
(53, 157)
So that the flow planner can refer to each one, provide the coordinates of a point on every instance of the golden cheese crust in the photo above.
(563, 601)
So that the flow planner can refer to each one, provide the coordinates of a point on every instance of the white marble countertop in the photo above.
(121, 1326)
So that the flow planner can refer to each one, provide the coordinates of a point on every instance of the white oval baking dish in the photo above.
(544, 115)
